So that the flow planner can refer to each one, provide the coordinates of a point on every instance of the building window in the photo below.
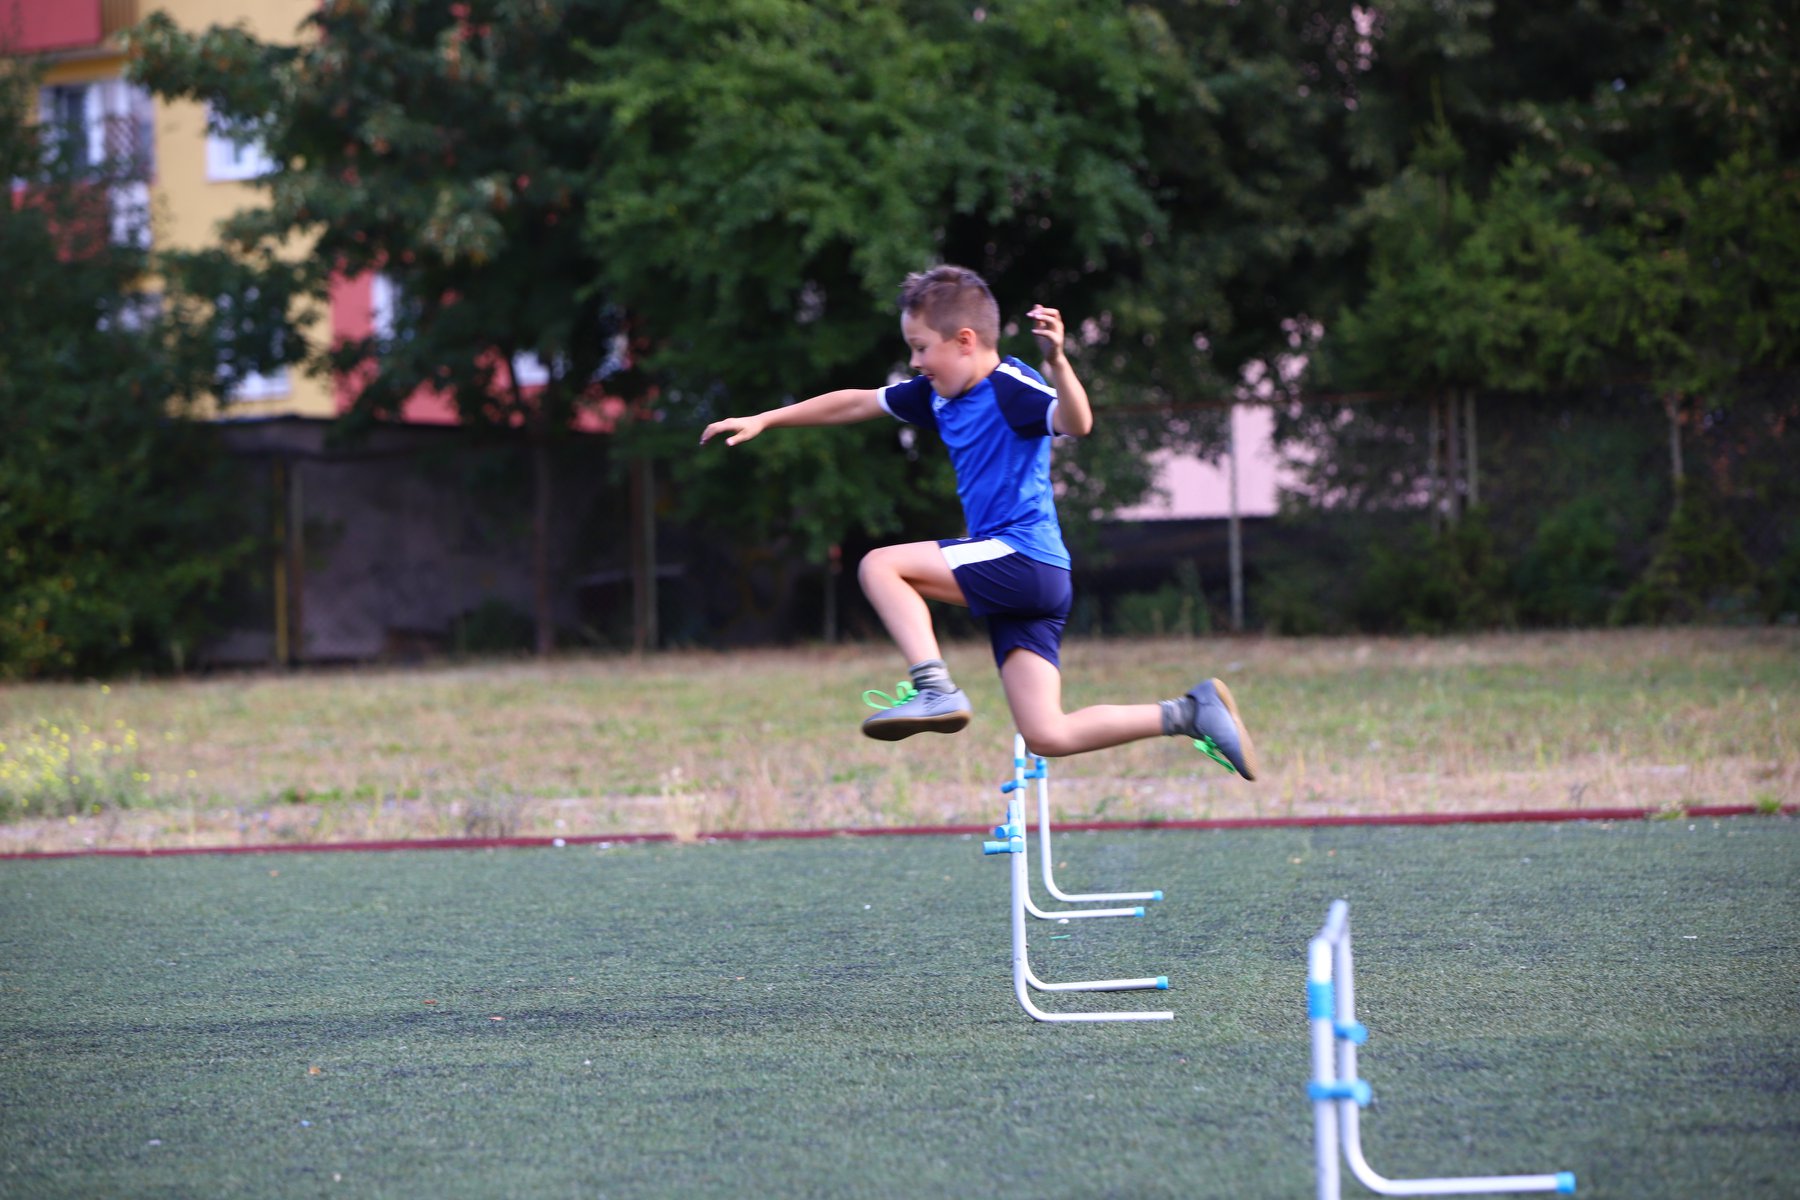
(235, 335)
(254, 385)
(106, 124)
(233, 151)
(382, 295)
(529, 370)
(129, 209)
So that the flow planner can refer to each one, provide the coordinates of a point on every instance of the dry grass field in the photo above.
(696, 742)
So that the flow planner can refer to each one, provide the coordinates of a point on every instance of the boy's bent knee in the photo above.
(1050, 741)
(875, 560)
(877, 565)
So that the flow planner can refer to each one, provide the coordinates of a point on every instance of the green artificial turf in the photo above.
(834, 1018)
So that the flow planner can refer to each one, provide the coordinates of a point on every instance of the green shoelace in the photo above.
(903, 691)
(1210, 748)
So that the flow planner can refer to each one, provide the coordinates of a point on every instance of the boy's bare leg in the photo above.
(898, 580)
(1208, 712)
(1034, 692)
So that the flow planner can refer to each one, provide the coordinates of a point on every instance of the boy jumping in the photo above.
(997, 416)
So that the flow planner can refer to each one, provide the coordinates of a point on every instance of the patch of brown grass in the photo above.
(696, 742)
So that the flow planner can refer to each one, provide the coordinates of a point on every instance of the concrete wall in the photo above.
(402, 536)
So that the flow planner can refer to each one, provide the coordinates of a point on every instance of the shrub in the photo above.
(1571, 574)
(494, 627)
(1177, 608)
(1699, 571)
(1432, 582)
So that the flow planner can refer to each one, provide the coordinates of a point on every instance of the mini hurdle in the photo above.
(1338, 1096)
(1040, 771)
(1013, 844)
(1027, 767)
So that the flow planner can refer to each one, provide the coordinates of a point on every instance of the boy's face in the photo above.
(949, 363)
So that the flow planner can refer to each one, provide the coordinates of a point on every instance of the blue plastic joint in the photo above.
(1156, 895)
(1354, 1031)
(1321, 1000)
(1039, 773)
(1565, 1182)
(1008, 831)
(1009, 846)
(1348, 1089)
(1011, 785)
(1138, 911)
(1162, 983)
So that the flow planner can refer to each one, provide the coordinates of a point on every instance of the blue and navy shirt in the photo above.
(998, 434)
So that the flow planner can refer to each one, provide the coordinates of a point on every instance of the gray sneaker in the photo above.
(916, 712)
(1218, 731)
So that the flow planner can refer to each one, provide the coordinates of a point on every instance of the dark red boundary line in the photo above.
(496, 843)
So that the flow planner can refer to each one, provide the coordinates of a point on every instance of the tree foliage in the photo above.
(426, 143)
(117, 518)
(421, 141)
(1159, 171)
(741, 186)
(1471, 198)
(1603, 197)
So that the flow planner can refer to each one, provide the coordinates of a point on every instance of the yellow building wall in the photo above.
(186, 207)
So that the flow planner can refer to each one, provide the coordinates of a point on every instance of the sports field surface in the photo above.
(833, 1017)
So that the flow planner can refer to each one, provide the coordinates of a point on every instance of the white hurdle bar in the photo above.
(1012, 844)
(1040, 771)
(1027, 766)
(1338, 1096)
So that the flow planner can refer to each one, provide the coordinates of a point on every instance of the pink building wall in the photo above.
(1198, 489)
(37, 26)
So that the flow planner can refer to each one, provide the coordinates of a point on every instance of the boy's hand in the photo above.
(741, 429)
(1047, 328)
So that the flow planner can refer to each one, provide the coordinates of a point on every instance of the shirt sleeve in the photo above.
(1025, 400)
(909, 401)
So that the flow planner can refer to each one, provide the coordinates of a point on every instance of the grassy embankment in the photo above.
(695, 742)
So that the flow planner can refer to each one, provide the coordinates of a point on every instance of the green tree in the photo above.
(1700, 295)
(740, 186)
(1467, 295)
(117, 519)
(425, 142)
(1159, 171)
(1615, 207)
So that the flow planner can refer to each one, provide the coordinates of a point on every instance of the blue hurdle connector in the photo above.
(1011, 833)
(1338, 1096)
(1013, 840)
(1347, 1089)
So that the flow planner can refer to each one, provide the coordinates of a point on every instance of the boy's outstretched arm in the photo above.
(841, 407)
(1074, 415)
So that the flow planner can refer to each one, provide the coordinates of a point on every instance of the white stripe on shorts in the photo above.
(964, 553)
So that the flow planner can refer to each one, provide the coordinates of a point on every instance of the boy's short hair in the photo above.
(950, 298)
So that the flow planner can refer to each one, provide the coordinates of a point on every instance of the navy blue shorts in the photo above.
(1025, 602)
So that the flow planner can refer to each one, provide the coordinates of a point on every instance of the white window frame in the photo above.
(529, 370)
(383, 296)
(255, 385)
(233, 156)
(106, 103)
(129, 206)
